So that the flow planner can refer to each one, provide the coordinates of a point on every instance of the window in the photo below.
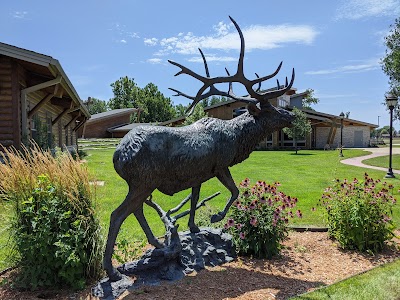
(285, 141)
(268, 141)
(34, 127)
(283, 101)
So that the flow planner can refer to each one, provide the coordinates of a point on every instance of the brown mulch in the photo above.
(310, 260)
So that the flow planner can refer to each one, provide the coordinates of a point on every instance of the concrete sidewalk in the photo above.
(357, 161)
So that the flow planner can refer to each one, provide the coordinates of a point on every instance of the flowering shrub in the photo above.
(359, 213)
(258, 219)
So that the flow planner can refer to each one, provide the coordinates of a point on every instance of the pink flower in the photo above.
(253, 205)
(263, 199)
(253, 221)
(242, 235)
(230, 222)
(299, 214)
(239, 226)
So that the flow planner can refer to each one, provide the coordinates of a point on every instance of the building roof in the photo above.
(128, 127)
(45, 65)
(111, 114)
(319, 115)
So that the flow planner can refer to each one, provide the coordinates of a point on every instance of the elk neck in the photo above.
(250, 130)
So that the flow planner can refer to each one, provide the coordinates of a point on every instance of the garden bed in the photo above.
(310, 260)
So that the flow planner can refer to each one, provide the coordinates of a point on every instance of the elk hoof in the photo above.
(114, 275)
(194, 229)
(217, 217)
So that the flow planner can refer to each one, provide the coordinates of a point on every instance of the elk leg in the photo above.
(226, 179)
(131, 203)
(193, 203)
(146, 228)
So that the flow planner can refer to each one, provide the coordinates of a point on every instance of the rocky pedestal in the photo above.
(186, 253)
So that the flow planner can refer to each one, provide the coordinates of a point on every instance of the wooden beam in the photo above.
(80, 124)
(39, 105)
(42, 85)
(72, 120)
(60, 116)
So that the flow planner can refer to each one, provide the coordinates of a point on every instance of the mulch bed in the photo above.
(309, 260)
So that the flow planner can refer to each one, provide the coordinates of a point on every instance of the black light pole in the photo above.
(341, 134)
(391, 102)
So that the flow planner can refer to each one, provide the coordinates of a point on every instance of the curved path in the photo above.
(357, 161)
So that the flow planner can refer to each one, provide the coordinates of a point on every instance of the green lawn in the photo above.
(383, 161)
(381, 283)
(305, 176)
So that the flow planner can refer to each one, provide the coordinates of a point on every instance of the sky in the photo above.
(335, 47)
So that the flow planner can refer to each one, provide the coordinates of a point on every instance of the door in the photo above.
(358, 138)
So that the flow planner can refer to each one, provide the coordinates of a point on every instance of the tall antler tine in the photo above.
(277, 84)
(286, 82)
(205, 63)
(242, 46)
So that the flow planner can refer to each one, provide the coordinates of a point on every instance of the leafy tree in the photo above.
(309, 99)
(391, 61)
(300, 127)
(96, 106)
(126, 93)
(180, 110)
(215, 100)
(154, 105)
(197, 114)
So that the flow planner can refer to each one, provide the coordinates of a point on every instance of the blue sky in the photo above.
(334, 46)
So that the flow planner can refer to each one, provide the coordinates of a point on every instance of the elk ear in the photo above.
(253, 109)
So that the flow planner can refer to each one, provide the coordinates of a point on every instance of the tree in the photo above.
(391, 61)
(301, 126)
(96, 106)
(197, 114)
(309, 99)
(154, 105)
(180, 110)
(126, 93)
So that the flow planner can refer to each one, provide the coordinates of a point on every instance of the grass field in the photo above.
(304, 175)
(383, 161)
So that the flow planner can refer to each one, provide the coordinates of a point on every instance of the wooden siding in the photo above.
(224, 112)
(6, 103)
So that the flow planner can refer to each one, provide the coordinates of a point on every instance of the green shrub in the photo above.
(54, 229)
(359, 213)
(258, 220)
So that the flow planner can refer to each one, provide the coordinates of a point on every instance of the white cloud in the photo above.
(364, 66)
(209, 58)
(122, 33)
(226, 38)
(358, 9)
(154, 61)
(19, 14)
(151, 42)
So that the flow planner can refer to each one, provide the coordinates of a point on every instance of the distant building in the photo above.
(101, 125)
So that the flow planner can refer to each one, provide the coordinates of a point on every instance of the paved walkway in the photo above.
(357, 161)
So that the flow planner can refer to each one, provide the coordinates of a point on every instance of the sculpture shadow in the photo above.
(230, 282)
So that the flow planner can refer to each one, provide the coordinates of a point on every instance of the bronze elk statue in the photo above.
(172, 159)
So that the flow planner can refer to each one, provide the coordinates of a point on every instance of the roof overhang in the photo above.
(52, 65)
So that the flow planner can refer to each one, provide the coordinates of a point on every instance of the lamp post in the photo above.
(391, 101)
(341, 134)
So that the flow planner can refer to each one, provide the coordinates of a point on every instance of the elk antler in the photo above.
(209, 82)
